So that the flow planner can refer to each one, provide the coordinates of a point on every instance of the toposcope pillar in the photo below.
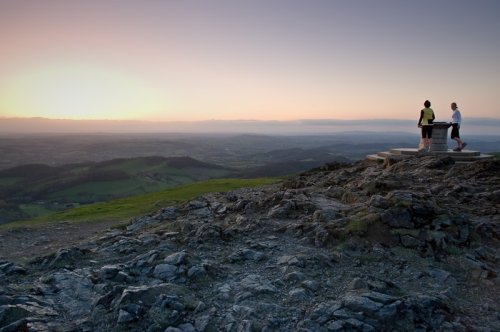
(440, 136)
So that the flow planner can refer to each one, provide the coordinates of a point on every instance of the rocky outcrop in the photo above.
(408, 246)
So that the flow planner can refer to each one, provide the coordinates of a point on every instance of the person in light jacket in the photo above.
(456, 120)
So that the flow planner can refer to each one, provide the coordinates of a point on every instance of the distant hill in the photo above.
(36, 189)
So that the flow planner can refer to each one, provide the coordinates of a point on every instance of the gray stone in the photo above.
(380, 297)
(409, 241)
(177, 258)
(169, 213)
(165, 271)
(258, 284)
(290, 261)
(282, 210)
(325, 311)
(9, 268)
(398, 218)
(246, 254)
(312, 285)
(294, 276)
(324, 215)
(360, 303)
(124, 317)
(172, 329)
(75, 292)
(378, 202)
(187, 327)
(108, 272)
(335, 325)
(12, 313)
(442, 275)
(195, 272)
(357, 283)
(142, 222)
(202, 322)
(145, 294)
(298, 294)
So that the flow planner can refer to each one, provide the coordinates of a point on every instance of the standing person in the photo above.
(425, 122)
(456, 120)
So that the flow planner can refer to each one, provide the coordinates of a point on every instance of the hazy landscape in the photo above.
(44, 173)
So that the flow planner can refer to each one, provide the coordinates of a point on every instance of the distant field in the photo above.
(496, 154)
(33, 190)
(125, 208)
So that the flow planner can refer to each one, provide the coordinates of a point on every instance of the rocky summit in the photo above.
(408, 245)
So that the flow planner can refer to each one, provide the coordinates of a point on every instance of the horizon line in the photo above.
(312, 121)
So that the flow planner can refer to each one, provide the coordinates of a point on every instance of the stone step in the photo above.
(414, 151)
(459, 158)
(464, 156)
(375, 157)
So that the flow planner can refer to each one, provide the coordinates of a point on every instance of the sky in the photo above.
(281, 60)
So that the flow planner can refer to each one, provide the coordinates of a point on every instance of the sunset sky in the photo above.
(241, 60)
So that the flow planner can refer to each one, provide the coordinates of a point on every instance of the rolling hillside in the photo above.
(36, 189)
(122, 209)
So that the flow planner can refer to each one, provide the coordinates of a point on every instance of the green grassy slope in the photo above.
(33, 190)
(125, 208)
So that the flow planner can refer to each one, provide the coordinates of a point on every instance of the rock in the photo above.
(165, 272)
(380, 297)
(294, 277)
(290, 261)
(398, 218)
(361, 303)
(187, 327)
(378, 201)
(124, 317)
(74, 291)
(325, 311)
(145, 294)
(169, 213)
(257, 284)
(298, 294)
(108, 272)
(177, 258)
(324, 215)
(246, 254)
(311, 285)
(409, 241)
(12, 314)
(357, 283)
(9, 268)
(195, 272)
(141, 223)
(282, 210)
(172, 329)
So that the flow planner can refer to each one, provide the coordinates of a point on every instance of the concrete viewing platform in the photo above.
(464, 156)
(439, 147)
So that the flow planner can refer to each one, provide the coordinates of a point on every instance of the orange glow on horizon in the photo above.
(75, 91)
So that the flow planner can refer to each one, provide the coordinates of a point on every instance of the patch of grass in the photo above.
(357, 227)
(7, 181)
(360, 226)
(496, 154)
(134, 206)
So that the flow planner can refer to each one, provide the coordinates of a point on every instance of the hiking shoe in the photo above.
(457, 149)
(463, 145)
